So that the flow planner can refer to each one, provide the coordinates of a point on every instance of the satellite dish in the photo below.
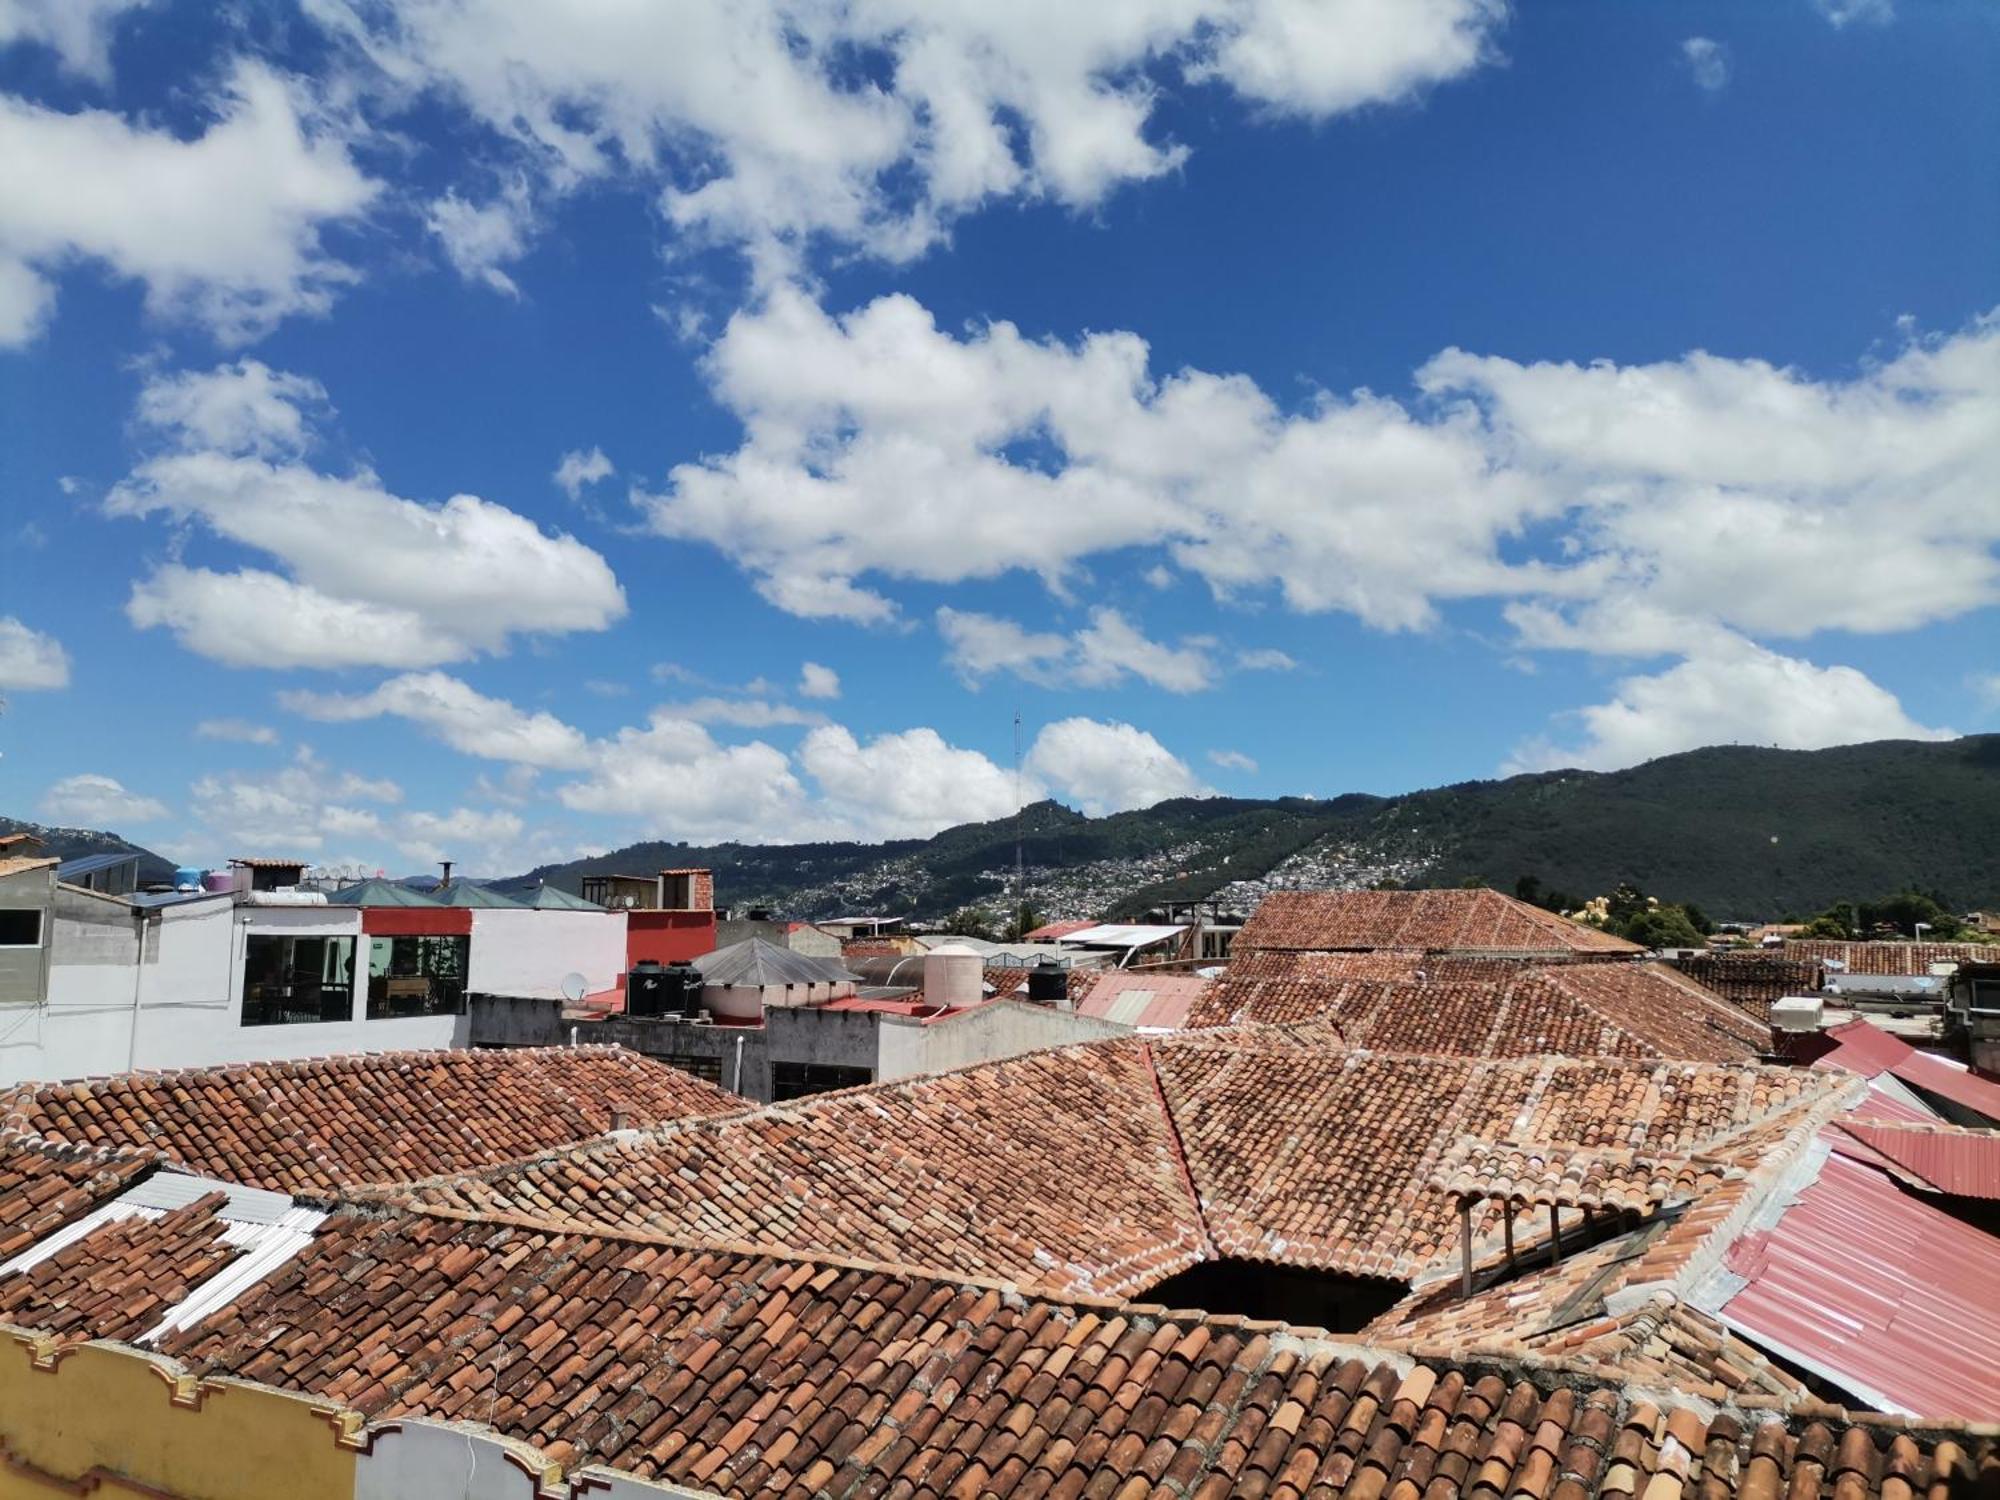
(574, 987)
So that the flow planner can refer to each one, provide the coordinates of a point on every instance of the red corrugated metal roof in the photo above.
(1048, 932)
(1137, 998)
(1867, 1049)
(1886, 1296)
(1964, 1163)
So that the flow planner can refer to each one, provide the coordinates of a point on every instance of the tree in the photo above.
(1024, 920)
(972, 922)
(1662, 927)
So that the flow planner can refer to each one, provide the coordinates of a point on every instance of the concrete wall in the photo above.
(24, 971)
(805, 938)
(741, 1058)
(106, 1419)
(1002, 1028)
(529, 952)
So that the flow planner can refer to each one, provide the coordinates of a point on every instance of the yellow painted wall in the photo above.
(137, 1426)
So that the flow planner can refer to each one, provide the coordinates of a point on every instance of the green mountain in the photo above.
(1742, 832)
(74, 843)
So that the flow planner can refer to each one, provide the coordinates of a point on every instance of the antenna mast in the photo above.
(1020, 865)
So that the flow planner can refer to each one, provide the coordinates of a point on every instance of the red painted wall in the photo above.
(417, 921)
(668, 936)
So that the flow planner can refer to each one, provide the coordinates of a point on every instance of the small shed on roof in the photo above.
(466, 893)
(554, 898)
(381, 893)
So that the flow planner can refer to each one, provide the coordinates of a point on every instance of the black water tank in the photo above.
(684, 984)
(1048, 982)
(646, 991)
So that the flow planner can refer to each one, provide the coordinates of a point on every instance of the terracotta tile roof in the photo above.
(1056, 1168)
(1562, 1312)
(45, 1186)
(119, 1280)
(1004, 979)
(1371, 963)
(1583, 1010)
(1889, 959)
(323, 1123)
(740, 1374)
(1106, 1167)
(1752, 981)
(20, 864)
(1474, 921)
(1539, 1175)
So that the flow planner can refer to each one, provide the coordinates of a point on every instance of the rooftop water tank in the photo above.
(1048, 984)
(953, 975)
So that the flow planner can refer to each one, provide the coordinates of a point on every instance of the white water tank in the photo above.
(953, 975)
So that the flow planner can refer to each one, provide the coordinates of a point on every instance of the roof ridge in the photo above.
(1180, 1151)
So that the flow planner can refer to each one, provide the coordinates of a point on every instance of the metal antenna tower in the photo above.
(1020, 864)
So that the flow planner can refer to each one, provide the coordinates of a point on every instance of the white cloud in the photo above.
(1843, 13)
(30, 660)
(580, 469)
(1707, 63)
(1986, 688)
(1102, 654)
(480, 238)
(876, 444)
(237, 731)
(669, 777)
(374, 579)
(1733, 692)
(1265, 659)
(289, 811)
(246, 408)
(980, 645)
(223, 229)
(79, 31)
(878, 123)
(904, 785)
(88, 800)
(1232, 760)
(463, 718)
(1106, 768)
(742, 713)
(471, 837)
(816, 681)
(1616, 509)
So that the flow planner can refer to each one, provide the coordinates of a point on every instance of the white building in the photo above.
(93, 984)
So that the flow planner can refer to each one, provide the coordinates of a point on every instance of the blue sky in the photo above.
(438, 428)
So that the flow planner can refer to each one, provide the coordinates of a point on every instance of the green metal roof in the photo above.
(554, 898)
(381, 893)
(465, 893)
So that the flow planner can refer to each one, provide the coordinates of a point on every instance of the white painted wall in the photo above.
(1004, 1028)
(181, 1007)
(528, 952)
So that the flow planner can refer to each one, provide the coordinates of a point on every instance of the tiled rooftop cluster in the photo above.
(1461, 921)
(1753, 980)
(909, 1288)
(1886, 959)
(1539, 1175)
(744, 1374)
(1104, 1168)
(1490, 1008)
(326, 1123)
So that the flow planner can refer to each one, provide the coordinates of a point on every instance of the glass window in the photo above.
(290, 980)
(796, 1080)
(417, 976)
(20, 929)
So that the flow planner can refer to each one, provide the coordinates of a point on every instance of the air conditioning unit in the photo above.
(1798, 1014)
